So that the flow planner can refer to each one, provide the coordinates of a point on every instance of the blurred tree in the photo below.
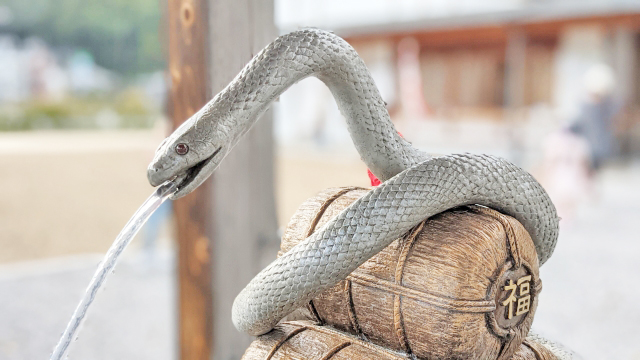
(122, 35)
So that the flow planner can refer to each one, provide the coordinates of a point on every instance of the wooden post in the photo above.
(515, 57)
(244, 204)
(624, 55)
(227, 231)
(188, 64)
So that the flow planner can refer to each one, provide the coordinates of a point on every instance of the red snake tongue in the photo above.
(374, 180)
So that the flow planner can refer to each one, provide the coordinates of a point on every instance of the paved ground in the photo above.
(132, 318)
(69, 192)
(591, 290)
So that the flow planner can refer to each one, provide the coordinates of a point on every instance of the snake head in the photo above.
(190, 154)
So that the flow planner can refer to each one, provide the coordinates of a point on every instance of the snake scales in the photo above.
(415, 186)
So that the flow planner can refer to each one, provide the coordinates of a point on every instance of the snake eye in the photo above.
(182, 149)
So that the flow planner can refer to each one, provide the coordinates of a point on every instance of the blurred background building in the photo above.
(505, 63)
(551, 85)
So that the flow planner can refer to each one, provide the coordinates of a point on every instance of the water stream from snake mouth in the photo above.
(127, 233)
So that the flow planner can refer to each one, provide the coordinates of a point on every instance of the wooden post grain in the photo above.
(188, 68)
(227, 232)
(244, 205)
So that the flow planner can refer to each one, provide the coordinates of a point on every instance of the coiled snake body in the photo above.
(415, 186)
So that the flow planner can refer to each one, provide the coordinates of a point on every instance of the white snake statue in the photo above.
(416, 185)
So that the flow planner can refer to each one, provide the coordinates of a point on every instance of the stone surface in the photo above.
(132, 317)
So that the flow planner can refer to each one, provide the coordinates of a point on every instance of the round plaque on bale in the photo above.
(462, 284)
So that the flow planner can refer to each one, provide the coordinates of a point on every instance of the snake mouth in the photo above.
(192, 175)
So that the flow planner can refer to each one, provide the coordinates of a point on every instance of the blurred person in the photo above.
(566, 164)
(573, 155)
(595, 123)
